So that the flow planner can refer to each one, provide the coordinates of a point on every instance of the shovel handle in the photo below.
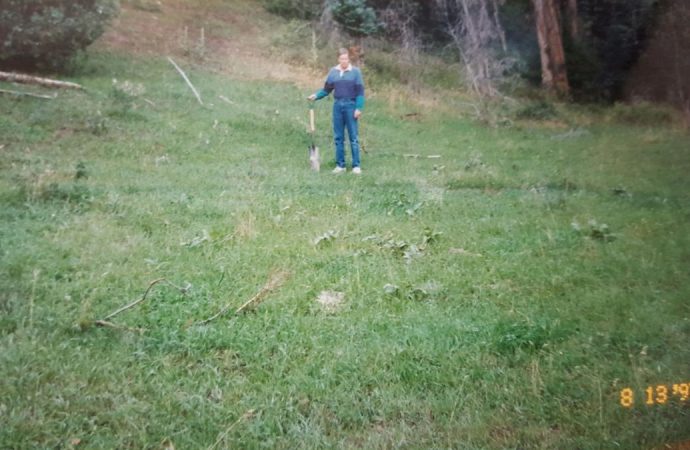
(311, 120)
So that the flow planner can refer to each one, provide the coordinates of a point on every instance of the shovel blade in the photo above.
(314, 158)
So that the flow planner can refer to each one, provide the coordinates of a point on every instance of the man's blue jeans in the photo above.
(344, 117)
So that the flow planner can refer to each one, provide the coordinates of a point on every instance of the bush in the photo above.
(294, 9)
(46, 34)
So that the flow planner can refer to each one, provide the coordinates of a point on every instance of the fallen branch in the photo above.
(30, 79)
(136, 302)
(226, 100)
(413, 115)
(28, 94)
(416, 155)
(275, 280)
(189, 83)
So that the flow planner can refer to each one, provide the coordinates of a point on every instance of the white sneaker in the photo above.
(338, 169)
(356, 170)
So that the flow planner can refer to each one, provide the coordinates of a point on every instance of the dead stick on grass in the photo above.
(189, 83)
(136, 302)
(417, 155)
(226, 100)
(275, 280)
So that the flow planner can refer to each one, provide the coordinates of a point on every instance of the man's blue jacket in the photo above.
(347, 84)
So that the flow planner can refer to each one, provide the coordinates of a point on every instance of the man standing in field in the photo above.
(346, 81)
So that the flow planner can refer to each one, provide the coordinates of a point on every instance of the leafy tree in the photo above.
(48, 33)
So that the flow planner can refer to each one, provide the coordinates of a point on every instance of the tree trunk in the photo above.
(553, 70)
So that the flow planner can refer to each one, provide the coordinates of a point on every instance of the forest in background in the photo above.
(611, 50)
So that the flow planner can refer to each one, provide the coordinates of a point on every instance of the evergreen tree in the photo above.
(355, 17)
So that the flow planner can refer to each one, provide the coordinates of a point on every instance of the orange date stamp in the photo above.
(659, 394)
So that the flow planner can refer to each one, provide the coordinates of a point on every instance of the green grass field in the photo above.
(500, 296)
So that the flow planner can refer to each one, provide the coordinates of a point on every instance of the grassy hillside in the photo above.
(499, 296)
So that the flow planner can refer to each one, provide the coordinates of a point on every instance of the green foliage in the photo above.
(294, 9)
(538, 110)
(48, 33)
(355, 17)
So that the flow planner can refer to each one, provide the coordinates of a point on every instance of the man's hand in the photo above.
(312, 97)
(357, 113)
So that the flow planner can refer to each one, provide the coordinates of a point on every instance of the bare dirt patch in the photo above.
(236, 38)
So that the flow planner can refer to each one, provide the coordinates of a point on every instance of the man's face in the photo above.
(344, 61)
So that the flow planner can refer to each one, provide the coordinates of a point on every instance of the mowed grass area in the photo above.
(475, 314)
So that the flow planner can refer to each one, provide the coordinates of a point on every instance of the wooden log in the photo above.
(13, 77)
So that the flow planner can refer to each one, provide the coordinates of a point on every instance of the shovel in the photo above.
(314, 159)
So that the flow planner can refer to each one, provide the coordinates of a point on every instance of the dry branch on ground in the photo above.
(275, 280)
(189, 83)
(105, 322)
(13, 77)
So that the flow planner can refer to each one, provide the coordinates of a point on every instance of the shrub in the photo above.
(48, 33)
